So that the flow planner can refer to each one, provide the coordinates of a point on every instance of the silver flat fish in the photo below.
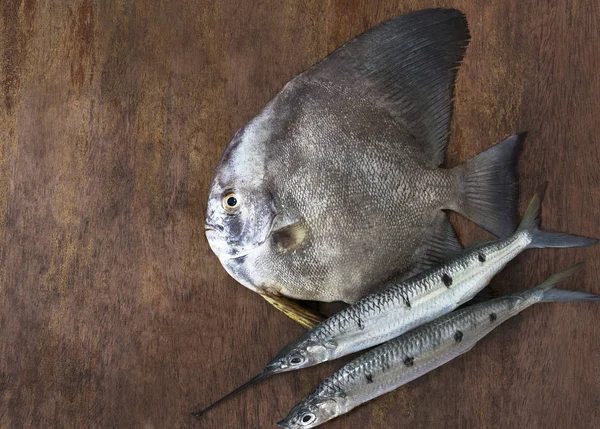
(416, 353)
(335, 186)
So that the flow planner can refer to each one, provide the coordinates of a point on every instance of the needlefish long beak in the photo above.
(259, 377)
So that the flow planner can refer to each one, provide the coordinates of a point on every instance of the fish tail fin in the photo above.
(487, 190)
(563, 295)
(541, 239)
(546, 292)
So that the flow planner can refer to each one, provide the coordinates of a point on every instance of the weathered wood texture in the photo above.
(113, 115)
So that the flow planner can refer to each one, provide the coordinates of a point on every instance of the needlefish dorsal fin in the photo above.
(406, 65)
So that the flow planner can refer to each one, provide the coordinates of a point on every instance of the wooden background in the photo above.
(113, 115)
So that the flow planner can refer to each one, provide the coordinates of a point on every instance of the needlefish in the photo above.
(417, 352)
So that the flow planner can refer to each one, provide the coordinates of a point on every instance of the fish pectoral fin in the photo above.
(330, 344)
(440, 244)
(304, 316)
(290, 236)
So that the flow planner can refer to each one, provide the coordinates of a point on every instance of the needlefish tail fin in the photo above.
(540, 238)
(547, 291)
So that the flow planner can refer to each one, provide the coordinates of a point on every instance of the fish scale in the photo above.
(417, 352)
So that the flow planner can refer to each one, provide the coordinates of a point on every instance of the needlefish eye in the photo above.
(307, 418)
(231, 201)
(296, 359)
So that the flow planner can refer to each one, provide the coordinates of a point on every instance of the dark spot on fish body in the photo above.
(493, 317)
(409, 361)
(360, 324)
(406, 301)
(458, 336)
(481, 257)
(447, 280)
(369, 378)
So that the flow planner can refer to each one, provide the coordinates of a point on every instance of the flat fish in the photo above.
(407, 304)
(335, 186)
(418, 352)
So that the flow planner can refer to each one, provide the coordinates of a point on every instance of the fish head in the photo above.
(240, 210)
(239, 219)
(313, 411)
(300, 354)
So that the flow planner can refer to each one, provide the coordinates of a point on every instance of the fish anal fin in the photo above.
(440, 244)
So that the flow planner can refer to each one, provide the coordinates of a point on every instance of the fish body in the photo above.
(335, 186)
(417, 352)
(405, 305)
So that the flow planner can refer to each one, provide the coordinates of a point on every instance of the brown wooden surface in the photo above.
(113, 115)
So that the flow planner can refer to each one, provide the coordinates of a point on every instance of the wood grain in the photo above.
(113, 115)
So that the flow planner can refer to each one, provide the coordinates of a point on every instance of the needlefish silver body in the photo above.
(417, 352)
(405, 305)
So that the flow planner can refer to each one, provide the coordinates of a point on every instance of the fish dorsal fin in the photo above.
(408, 66)
(439, 245)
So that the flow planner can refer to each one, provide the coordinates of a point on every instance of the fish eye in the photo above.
(307, 418)
(297, 359)
(231, 201)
